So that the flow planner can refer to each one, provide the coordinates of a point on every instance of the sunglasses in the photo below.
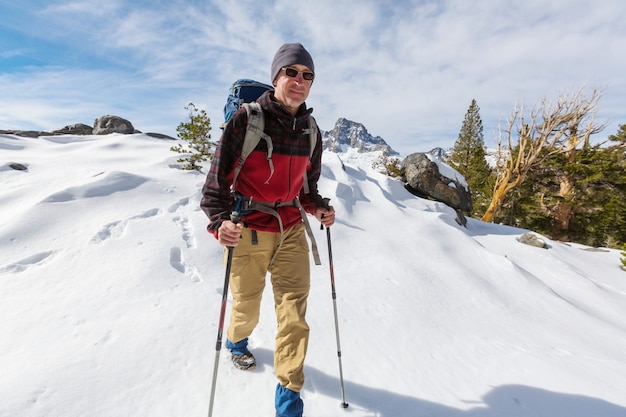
(293, 73)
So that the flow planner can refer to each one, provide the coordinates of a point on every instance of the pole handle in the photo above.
(327, 207)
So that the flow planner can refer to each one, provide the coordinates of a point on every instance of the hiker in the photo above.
(271, 235)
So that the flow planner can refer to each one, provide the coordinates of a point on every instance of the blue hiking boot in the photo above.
(241, 356)
(288, 402)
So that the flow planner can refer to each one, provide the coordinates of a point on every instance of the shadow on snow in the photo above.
(502, 401)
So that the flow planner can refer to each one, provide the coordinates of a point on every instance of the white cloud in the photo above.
(407, 70)
(81, 7)
(11, 53)
(51, 98)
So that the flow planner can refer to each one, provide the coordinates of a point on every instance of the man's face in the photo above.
(291, 92)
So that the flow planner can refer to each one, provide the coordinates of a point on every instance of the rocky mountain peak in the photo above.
(349, 134)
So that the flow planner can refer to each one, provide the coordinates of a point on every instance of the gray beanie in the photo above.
(291, 54)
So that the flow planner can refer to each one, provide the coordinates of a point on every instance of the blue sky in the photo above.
(407, 70)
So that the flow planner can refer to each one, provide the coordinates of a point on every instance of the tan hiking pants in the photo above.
(290, 277)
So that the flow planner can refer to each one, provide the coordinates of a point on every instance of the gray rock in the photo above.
(75, 129)
(533, 240)
(18, 167)
(105, 125)
(30, 133)
(160, 136)
(421, 177)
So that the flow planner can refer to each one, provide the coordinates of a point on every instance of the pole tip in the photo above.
(344, 405)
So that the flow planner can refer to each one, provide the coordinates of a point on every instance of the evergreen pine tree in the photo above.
(620, 136)
(597, 200)
(469, 158)
(196, 132)
(528, 205)
(599, 197)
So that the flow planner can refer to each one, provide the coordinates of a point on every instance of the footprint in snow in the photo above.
(23, 264)
(108, 231)
(147, 214)
(187, 233)
(180, 203)
(116, 229)
(176, 260)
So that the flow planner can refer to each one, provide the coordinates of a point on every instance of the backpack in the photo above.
(244, 93)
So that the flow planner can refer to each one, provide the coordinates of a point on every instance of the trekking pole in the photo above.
(234, 217)
(343, 404)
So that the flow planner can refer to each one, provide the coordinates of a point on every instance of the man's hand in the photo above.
(229, 233)
(325, 215)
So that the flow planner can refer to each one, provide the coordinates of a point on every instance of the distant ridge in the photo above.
(348, 134)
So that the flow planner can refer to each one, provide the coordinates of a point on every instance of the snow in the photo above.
(449, 172)
(110, 290)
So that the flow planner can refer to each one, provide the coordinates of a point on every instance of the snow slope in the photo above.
(110, 291)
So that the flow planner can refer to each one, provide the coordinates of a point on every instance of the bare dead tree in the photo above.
(551, 128)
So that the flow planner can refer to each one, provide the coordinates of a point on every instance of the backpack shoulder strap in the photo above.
(254, 133)
(313, 131)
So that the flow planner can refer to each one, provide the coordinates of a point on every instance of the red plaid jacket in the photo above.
(290, 157)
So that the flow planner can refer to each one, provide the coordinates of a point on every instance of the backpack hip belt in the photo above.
(248, 203)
